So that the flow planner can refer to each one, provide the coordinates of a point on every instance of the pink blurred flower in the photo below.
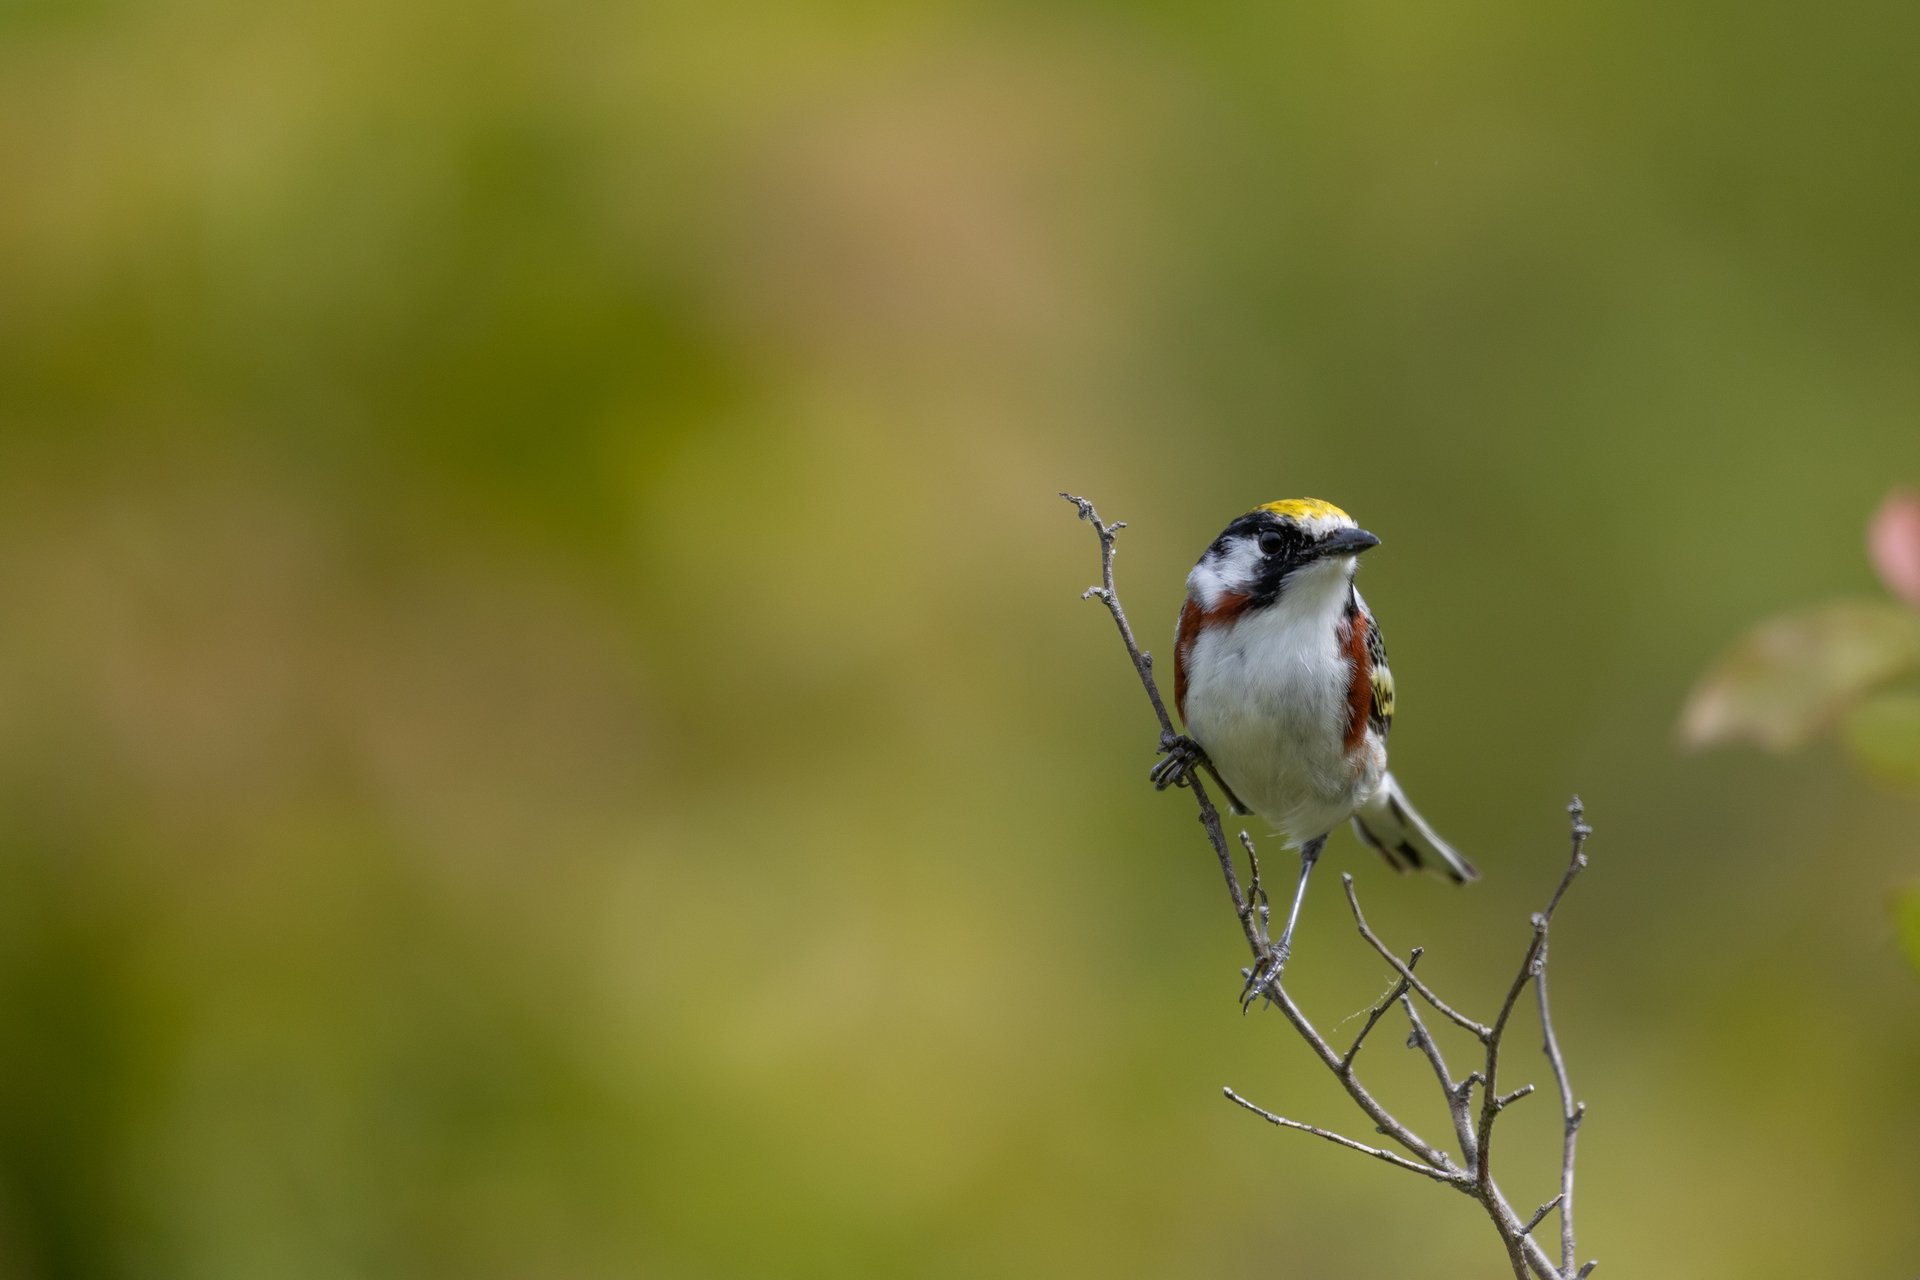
(1893, 542)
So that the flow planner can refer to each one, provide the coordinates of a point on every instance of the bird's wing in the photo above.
(1381, 717)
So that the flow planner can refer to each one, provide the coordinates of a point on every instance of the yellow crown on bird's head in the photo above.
(1306, 511)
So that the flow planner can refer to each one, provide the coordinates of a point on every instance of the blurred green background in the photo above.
(546, 723)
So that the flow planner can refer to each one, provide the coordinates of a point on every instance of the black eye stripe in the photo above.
(1282, 546)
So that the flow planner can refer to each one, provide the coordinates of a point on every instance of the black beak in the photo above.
(1345, 542)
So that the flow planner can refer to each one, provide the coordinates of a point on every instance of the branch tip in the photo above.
(1540, 1213)
(1437, 1171)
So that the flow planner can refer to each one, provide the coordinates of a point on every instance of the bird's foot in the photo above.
(1180, 756)
(1265, 973)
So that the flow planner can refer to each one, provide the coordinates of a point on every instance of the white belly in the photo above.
(1267, 698)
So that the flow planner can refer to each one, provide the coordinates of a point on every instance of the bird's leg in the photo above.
(1309, 854)
(1182, 755)
(1271, 964)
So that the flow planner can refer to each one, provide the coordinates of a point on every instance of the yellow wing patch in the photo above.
(1306, 509)
(1383, 694)
(1382, 677)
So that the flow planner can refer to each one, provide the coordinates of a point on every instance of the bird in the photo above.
(1281, 678)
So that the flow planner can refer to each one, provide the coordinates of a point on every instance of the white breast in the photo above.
(1267, 698)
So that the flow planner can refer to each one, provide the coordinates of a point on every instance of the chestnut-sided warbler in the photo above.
(1282, 679)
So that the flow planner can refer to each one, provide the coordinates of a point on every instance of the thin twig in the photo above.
(1142, 662)
(1385, 1121)
(1256, 902)
(1577, 862)
(1398, 989)
(1447, 1011)
(1398, 1162)
(1143, 667)
(1456, 1092)
(1571, 1112)
(1531, 967)
(1489, 1099)
(1539, 1214)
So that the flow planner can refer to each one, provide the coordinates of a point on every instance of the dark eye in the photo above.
(1272, 543)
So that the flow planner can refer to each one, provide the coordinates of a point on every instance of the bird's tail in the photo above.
(1396, 829)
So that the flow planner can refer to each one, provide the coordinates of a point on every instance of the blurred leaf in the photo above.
(1793, 675)
(1884, 734)
(1906, 920)
(1893, 542)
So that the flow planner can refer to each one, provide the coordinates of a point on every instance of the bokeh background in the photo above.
(547, 727)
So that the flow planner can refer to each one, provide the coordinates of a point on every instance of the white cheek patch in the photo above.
(1233, 572)
(1204, 584)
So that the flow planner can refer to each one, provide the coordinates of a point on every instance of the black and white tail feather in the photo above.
(1394, 827)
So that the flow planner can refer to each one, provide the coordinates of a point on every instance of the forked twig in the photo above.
(1399, 1162)
(1447, 1011)
(1386, 1002)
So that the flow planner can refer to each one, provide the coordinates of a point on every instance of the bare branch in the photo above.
(1489, 1103)
(1539, 1214)
(1142, 662)
(1571, 1112)
(1480, 1031)
(1576, 862)
(1384, 1121)
(1373, 1015)
(1532, 967)
(1256, 903)
(1456, 1092)
(1398, 1162)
